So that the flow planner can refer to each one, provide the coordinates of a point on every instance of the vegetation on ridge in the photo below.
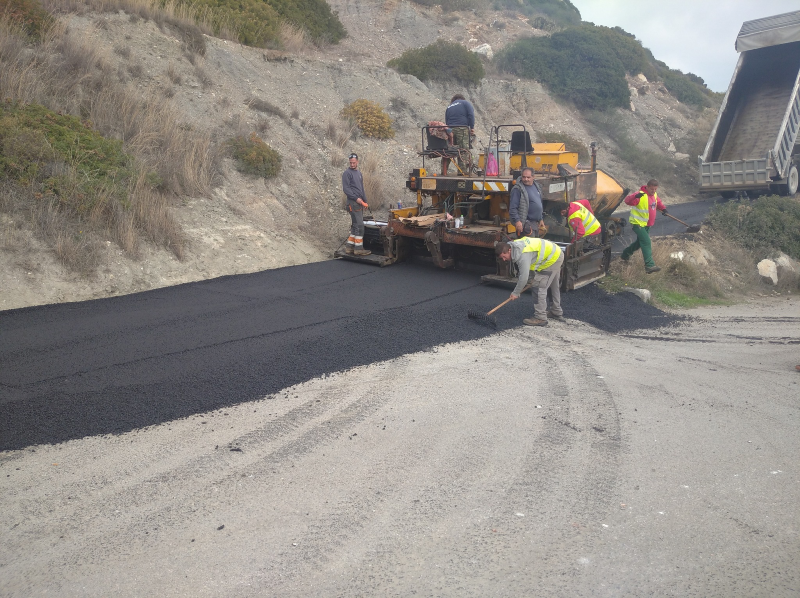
(440, 61)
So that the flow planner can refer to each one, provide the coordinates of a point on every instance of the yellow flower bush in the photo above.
(370, 118)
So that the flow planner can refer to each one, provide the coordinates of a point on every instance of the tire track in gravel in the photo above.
(190, 479)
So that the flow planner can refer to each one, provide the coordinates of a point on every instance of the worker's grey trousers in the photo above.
(357, 221)
(548, 279)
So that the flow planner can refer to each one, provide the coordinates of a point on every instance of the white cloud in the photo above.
(695, 36)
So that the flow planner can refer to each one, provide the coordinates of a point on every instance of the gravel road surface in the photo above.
(324, 431)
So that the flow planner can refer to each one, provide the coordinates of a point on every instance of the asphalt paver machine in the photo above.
(455, 221)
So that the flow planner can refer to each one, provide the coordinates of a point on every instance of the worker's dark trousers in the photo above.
(642, 242)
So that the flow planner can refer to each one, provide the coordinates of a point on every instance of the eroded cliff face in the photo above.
(250, 224)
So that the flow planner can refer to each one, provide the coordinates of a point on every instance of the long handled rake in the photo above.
(487, 317)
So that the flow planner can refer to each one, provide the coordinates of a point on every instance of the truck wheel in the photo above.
(790, 187)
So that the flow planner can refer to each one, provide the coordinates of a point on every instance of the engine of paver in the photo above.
(455, 221)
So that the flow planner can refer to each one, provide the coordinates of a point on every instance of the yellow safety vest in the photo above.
(640, 213)
(548, 252)
(590, 223)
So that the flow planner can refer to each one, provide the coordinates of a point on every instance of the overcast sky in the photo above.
(695, 36)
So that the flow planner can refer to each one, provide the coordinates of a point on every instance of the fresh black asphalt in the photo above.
(113, 365)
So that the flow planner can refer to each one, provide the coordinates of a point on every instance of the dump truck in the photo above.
(429, 226)
(753, 145)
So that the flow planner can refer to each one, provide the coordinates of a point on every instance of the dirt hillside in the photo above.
(250, 224)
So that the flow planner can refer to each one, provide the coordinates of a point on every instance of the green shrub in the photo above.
(257, 22)
(440, 61)
(578, 64)
(29, 14)
(562, 12)
(62, 157)
(253, 156)
(571, 143)
(370, 118)
(686, 88)
(451, 5)
(768, 223)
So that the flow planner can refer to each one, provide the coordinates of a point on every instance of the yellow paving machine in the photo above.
(455, 221)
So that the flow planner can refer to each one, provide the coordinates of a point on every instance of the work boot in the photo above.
(362, 251)
(348, 249)
(652, 270)
(534, 322)
(624, 259)
(550, 314)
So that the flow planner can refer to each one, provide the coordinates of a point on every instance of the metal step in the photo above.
(373, 258)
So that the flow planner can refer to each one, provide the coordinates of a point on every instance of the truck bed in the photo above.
(760, 98)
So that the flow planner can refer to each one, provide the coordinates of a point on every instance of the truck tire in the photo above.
(789, 188)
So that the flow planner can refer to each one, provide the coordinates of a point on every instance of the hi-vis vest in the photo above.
(548, 252)
(640, 213)
(590, 223)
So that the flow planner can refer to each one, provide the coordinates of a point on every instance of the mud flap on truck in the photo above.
(583, 265)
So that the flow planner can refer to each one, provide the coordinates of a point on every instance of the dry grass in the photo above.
(203, 78)
(173, 74)
(69, 75)
(293, 39)
(374, 176)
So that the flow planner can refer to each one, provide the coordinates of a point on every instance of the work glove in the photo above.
(664, 211)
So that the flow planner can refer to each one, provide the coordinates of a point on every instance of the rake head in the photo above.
(482, 318)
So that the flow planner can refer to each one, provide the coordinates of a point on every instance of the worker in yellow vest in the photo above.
(644, 204)
(544, 258)
(581, 220)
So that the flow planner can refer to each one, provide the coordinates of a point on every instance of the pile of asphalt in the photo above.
(118, 364)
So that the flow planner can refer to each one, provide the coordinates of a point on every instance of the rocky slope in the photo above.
(251, 224)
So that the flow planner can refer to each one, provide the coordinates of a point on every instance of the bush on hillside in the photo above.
(587, 64)
(77, 187)
(254, 156)
(687, 88)
(577, 64)
(370, 118)
(451, 5)
(767, 224)
(440, 61)
(28, 14)
(562, 12)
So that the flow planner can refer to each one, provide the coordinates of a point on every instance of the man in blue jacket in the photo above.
(461, 114)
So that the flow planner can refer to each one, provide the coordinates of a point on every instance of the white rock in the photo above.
(641, 78)
(484, 50)
(768, 271)
(680, 156)
(642, 294)
(633, 108)
(678, 255)
(671, 149)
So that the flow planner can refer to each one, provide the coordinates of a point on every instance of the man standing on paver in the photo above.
(544, 258)
(353, 187)
(644, 204)
(525, 205)
(460, 114)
